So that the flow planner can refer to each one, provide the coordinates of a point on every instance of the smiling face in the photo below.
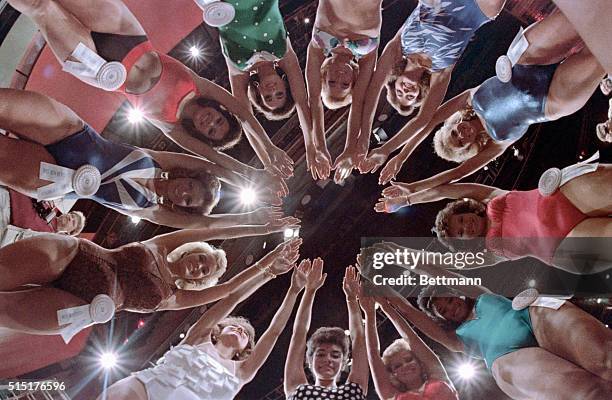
(273, 91)
(197, 266)
(67, 223)
(339, 78)
(185, 192)
(451, 308)
(407, 89)
(210, 123)
(327, 361)
(235, 336)
(466, 226)
(406, 368)
(464, 135)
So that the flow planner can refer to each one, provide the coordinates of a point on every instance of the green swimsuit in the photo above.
(256, 33)
(497, 329)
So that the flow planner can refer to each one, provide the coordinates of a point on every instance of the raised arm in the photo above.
(207, 322)
(249, 367)
(433, 365)
(382, 383)
(359, 369)
(294, 366)
(291, 66)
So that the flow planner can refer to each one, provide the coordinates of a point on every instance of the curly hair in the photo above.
(199, 247)
(426, 304)
(328, 335)
(445, 150)
(424, 85)
(240, 321)
(330, 101)
(397, 347)
(272, 114)
(231, 138)
(80, 222)
(461, 206)
(212, 191)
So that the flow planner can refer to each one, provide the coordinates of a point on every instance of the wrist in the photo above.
(352, 300)
(266, 271)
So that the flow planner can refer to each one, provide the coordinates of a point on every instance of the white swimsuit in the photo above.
(190, 373)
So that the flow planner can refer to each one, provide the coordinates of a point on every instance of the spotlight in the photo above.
(306, 20)
(347, 332)
(466, 371)
(248, 196)
(531, 283)
(486, 168)
(135, 219)
(141, 323)
(182, 336)
(135, 116)
(194, 51)
(108, 360)
(288, 233)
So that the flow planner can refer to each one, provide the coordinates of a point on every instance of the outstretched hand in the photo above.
(283, 257)
(367, 303)
(351, 284)
(373, 161)
(265, 215)
(390, 171)
(281, 224)
(300, 274)
(274, 187)
(315, 278)
(345, 163)
(280, 163)
(318, 162)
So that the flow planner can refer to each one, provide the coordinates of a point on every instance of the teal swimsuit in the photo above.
(256, 30)
(497, 329)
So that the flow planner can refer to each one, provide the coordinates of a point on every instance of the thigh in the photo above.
(129, 388)
(536, 374)
(587, 248)
(107, 16)
(37, 260)
(550, 40)
(592, 193)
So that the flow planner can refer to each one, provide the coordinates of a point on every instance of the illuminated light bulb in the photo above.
(194, 51)
(108, 360)
(135, 219)
(135, 116)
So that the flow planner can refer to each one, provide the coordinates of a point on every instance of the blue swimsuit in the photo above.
(443, 32)
(508, 109)
(497, 329)
(118, 163)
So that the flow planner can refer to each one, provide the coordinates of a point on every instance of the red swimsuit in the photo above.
(433, 390)
(163, 99)
(529, 224)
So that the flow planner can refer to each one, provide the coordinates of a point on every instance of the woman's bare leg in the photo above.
(129, 388)
(107, 16)
(550, 40)
(592, 193)
(533, 373)
(573, 84)
(34, 311)
(587, 248)
(38, 260)
(36, 117)
(575, 336)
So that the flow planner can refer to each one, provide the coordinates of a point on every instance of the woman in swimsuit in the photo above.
(341, 59)
(218, 355)
(566, 344)
(481, 123)
(170, 189)
(173, 271)
(327, 350)
(408, 368)
(416, 66)
(197, 114)
(517, 224)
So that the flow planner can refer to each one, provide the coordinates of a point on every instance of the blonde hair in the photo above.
(397, 347)
(450, 153)
(199, 247)
(331, 102)
(80, 218)
(461, 206)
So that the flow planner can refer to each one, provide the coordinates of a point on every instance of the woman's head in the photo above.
(407, 87)
(327, 352)
(211, 123)
(338, 76)
(405, 369)
(270, 94)
(461, 137)
(461, 220)
(71, 223)
(192, 192)
(197, 265)
(236, 333)
(445, 306)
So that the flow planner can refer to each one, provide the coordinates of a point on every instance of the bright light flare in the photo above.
(248, 196)
(291, 233)
(108, 360)
(135, 219)
(466, 371)
(135, 116)
(195, 51)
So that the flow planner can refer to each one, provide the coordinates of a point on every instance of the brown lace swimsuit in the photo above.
(130, 275)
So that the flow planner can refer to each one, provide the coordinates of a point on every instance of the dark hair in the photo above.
(243, 322)
(461, 206)
(330, 335)
(426, 304)
(275, 114)
(231, 138)
(331, 102)
(424, 85)
(212, 191)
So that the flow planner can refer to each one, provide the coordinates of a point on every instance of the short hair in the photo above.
(440, 142)
(243, 322)
(199, 247)
(399, 346)
(81, 221)
(272, 114)
(426, 304)
(231, 138)
(424, 85)
(460, 206)
(212, 191)
(331, 102)
(328, 335)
